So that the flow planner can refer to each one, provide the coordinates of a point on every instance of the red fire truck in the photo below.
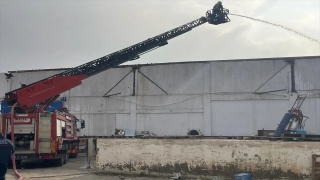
(52, 136)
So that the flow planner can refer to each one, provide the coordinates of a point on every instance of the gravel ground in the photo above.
(72, 170)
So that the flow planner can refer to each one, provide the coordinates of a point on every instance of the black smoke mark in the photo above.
(283, 27)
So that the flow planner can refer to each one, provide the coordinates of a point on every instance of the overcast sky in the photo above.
(41, 34)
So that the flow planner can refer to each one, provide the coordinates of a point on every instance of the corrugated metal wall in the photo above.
(307, 81)
(217, 97)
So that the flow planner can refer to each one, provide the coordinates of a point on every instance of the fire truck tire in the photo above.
(48, 162)
(73, 155)
(18, 162)
(59, 161)
(66, 157)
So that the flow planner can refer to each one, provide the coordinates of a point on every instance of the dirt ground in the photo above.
(73, 170)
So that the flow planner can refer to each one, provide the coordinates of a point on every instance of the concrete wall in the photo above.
(216, 97)
(224, 158)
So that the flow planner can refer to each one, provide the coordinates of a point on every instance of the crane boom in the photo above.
(47, 90)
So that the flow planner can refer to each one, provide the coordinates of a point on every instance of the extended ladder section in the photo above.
(132, 52)
(45, 91)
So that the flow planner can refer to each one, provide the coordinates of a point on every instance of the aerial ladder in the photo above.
(52, 136)
(42, 93)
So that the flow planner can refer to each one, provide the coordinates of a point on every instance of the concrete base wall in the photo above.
(209, 157)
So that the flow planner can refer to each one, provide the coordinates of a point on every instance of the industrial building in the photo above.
(217, 98)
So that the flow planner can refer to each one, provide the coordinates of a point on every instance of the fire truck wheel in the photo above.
(66, 157)
(73, 155)
(48, 162)
(59, 161)
(18, 162)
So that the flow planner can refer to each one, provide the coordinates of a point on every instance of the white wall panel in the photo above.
(123, 122)
(231, 118)
(170, 102)
(100, 84)
(173, 78)
(268, 113)
(307, 74)
(98, 124)
(247, 76)
(97, 104)
(169, 124)
(311, 108)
